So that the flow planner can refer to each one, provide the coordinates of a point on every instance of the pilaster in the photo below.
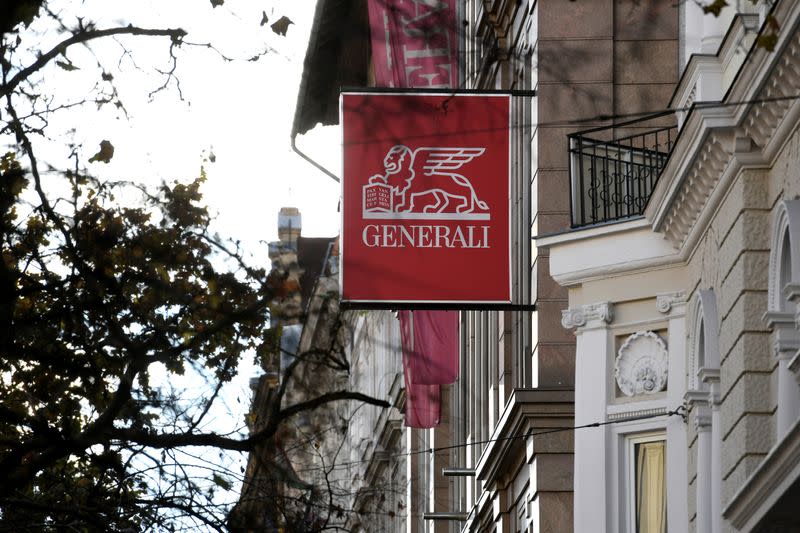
(702, 423)
(591, 395)
(673, 305)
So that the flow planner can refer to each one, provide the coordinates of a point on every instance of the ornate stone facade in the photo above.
(723, 203)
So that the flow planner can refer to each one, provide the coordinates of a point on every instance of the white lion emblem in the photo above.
(424, 180)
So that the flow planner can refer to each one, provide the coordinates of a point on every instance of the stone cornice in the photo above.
(494, 31)
(526, 410)
(704, 400)
(377, 463)
(699, 64)
(778, 319)
(390, 428)
(590, 232)
(785, 336)
(397, 391)
(618, 269)
(708, 375)
(686, 158)
(716, 142)
(696, 188)
(573, 259)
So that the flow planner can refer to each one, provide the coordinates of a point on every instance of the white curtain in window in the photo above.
(651, 489)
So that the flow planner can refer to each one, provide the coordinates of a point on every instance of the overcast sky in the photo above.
(240, 110)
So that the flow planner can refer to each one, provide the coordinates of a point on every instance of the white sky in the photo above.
(241, 110)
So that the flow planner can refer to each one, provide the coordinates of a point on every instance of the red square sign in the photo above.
(425, 198)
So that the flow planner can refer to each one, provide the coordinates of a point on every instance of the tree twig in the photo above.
(84, 36)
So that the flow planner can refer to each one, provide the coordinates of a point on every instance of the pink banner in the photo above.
(423, 402)
(414, 43)
(433, 355)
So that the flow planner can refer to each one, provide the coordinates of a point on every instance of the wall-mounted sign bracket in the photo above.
(420, 306)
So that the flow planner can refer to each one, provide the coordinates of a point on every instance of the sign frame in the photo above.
(444, 304)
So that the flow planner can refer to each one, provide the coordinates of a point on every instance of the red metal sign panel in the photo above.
(425, 205)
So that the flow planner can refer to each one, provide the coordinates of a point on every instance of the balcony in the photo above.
(613, 179)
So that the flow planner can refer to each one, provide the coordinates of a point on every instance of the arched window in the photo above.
(784, 272)
(784, 290)
(704, 348)
(701, 343)
(784, 257)
(704, 400)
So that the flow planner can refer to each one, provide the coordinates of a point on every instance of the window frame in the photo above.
(785, 230)
(629, 474)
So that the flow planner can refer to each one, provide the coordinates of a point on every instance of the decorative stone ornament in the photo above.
(578, 317)
(664, 302)
(572, 318)
(641, 364)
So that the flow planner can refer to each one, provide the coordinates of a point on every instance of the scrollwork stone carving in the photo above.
(578, 317)
(664, 302)
(572, 318)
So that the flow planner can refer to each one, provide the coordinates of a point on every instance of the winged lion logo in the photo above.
(423, 183)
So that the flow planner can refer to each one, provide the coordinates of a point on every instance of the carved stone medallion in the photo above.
(641, 364)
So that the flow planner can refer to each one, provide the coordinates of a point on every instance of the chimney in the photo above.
(289, 225)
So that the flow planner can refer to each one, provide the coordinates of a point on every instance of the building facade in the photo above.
(505, 439)
(681, 269)
(585, 61)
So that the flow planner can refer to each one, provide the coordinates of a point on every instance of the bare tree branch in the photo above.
(83, 36)
(167, 440)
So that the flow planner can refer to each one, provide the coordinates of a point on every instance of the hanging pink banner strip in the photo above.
(423, 402)
(414, 43)
(434, 357)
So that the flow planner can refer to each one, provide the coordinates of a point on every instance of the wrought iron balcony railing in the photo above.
(613, 179)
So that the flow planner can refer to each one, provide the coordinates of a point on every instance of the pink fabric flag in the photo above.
(423, 402)
(414, 44)
(433, 354)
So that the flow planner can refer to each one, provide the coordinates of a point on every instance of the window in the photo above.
(784, 260)
(647, 486)
(703, 402)
(784, 284)
(705, 348)
(701, 343)
(785, 271)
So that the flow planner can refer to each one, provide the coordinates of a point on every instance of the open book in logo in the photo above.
(423, 184)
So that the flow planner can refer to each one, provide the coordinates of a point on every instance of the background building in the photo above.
(586, 61)
(341, 465)
(280, 488)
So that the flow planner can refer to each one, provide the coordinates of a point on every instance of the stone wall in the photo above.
(733, 259)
